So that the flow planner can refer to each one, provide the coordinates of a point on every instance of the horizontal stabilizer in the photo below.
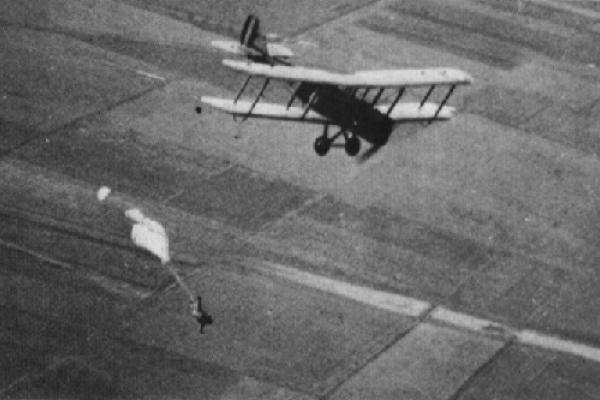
(360, 79)
(278, 50)
(233, 47)
(229, 46)
(401, 111)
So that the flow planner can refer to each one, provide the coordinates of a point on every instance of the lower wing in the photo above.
(400, 112)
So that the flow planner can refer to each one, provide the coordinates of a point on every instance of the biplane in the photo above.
(350, 101)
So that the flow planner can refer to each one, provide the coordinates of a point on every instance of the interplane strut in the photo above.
(242, 89)
(262, 90)
(431, 88)
(437, 112)
(377, 96)
(396, 99)
(289, 103)
(311, 98)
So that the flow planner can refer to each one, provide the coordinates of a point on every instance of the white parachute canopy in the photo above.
(149, 234)
(103, 193)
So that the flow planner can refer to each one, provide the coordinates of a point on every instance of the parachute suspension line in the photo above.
(179, 281)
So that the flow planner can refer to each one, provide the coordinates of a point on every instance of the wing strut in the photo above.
(365, 93)
(437, 112)
(242, 89)
(262, 90)
(377, 96)
(312, 97)
(427, 96)
(289, 104)
(400, 93)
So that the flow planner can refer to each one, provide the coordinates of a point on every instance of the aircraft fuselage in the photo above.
(351, 113)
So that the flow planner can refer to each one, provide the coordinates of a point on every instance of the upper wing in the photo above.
(362, 79)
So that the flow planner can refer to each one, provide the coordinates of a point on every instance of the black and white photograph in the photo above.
(307, 200)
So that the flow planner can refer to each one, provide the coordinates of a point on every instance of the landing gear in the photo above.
(323, 142)
(322, 145)
(352, 145)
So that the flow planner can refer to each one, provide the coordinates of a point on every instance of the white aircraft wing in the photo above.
(359, 79)
(233, 47)
(416, 112)
(263, 110)
(401, 112)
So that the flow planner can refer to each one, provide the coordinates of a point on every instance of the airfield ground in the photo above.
(459, 261)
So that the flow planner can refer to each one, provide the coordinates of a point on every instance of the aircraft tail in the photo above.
(251, 36)
(254, 45)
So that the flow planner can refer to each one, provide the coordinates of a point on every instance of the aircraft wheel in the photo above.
(322, 145)
(352, 145)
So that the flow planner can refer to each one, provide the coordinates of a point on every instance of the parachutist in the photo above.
(201, 316)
